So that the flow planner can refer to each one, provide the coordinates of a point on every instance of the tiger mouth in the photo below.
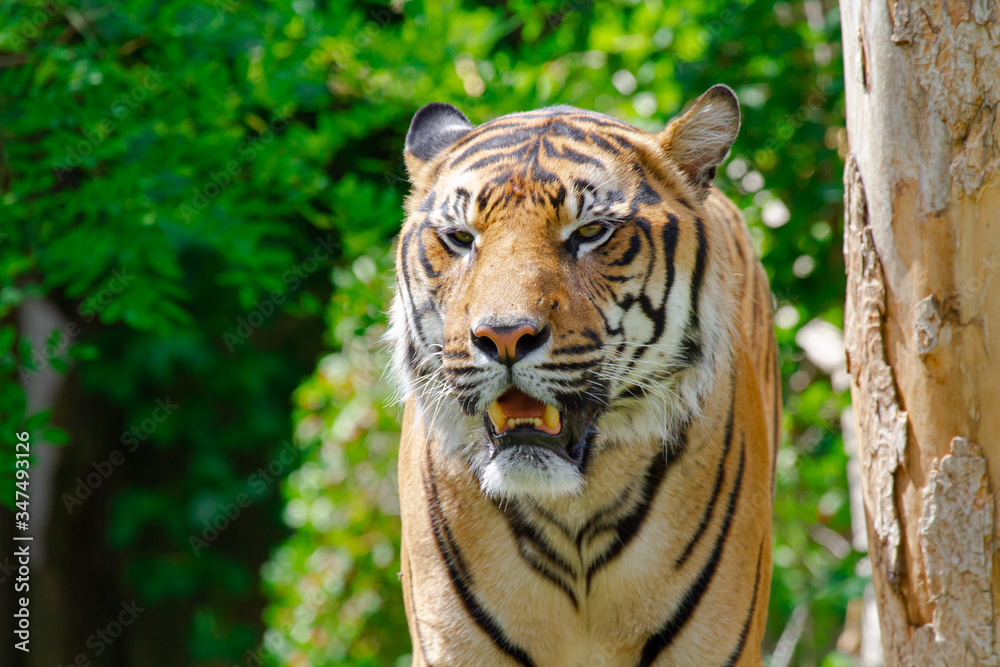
(516, 409)
(518, 420)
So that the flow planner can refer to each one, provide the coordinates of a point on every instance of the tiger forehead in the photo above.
(518, 190)
(559, 158)
(552, 201)
(558, 134)
(561, 164)
(559, 121)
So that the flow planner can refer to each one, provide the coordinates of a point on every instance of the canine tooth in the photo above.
(511, 423)
(551, 417)
(497, 416)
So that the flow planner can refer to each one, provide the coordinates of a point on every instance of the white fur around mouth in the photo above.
(538, 473)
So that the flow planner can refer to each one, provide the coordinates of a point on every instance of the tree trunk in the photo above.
(922, 245)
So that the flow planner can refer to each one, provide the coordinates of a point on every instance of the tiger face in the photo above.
(554, 297)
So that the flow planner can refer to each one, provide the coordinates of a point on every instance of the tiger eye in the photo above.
(464, 238)
(590, 231)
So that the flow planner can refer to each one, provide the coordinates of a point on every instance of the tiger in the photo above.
(583, 337)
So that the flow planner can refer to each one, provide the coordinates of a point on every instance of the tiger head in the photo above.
(559, 291)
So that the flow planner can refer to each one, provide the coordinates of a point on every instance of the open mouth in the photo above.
(517, 420)
(515, 409)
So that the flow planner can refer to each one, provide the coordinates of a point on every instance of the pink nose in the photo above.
(509, 344)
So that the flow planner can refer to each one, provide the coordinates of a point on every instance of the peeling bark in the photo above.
(956, 538)
(882, 423)
(922, 248)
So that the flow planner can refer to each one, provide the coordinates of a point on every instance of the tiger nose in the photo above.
(509, 344)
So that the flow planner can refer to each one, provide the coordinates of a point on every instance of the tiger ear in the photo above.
(699, 140)
(435, 127)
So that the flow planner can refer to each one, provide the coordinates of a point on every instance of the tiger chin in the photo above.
(583, 339)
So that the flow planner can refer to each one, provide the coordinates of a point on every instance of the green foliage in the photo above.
(340, 600)
(156, 194)
(206, 152)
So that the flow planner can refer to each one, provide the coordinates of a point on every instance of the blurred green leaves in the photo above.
(201, 149)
